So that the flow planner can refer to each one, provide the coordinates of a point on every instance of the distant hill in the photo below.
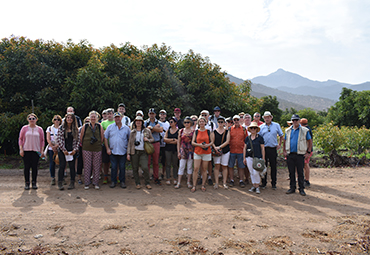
(296, 84)
(288, 100)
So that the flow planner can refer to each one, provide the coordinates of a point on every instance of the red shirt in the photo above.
(237, 137)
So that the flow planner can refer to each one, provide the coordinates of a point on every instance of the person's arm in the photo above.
(281, 138)
(82, 133)
(212, 139)
(21, 140)
(101, 132)
(149, 136)
(107, 146)
(157, 128)
(193, 141)
(284, 149)
(263, 151)
(227, 140)
(245, 154)
(178, 144)
(309, 145)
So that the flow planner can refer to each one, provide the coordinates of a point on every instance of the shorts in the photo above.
(105, 156)
(236, 156)
(307, 160)
(223, 159)
(204, 157)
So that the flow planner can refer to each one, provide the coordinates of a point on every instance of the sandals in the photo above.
(203, 188)
(189, 185)
(177, 186)
(215, 186)
(168, 182)
(225, 186)
(192, 189)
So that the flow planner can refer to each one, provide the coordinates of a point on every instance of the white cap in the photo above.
(140, 112)
(205, 111)
(163, 111)
(236, 117)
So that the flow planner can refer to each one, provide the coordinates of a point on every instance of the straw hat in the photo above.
(254, 124)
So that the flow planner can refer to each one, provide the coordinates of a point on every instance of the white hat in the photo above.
(162, 111)
(236, 117)
(205, 111)
(140, 112)
(267, 113)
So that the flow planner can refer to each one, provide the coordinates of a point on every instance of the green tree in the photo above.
(314, 119)
(271, 104)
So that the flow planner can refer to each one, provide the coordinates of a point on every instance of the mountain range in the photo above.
(293, 90)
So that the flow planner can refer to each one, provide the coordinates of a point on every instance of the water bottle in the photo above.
(39, 153)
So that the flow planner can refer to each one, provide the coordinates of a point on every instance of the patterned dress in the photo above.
(186, 149)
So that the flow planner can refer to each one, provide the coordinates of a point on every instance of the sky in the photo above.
(317, 39)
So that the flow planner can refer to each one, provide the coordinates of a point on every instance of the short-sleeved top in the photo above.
(106, 123)
(156, 135)
(237, 136)
(166, 126)
(270, 133)
(171, 147)
(256, 146)
(186, 149)
(118, 138)
(53, 133)
(202, 137)
(218, 142)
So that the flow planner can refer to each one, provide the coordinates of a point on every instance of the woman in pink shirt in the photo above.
(31, 147)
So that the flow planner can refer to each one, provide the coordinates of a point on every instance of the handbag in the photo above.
(258, 163)
(149, 148)
(216, 153)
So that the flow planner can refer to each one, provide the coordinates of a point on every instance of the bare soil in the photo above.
(334, 217)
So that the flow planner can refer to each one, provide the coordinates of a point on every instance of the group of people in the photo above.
(202, 144)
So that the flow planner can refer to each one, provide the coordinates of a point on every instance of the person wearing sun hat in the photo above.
(258, 144)
(297, 146)
(270, 130)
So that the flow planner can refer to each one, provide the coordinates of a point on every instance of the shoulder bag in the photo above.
(258, 163)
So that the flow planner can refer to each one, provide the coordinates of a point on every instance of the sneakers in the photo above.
(60, 186)
(123, 185)
(105, 180)
(71, 185)
(148, 186)
(158, 182)
(53, 181)
(210, 182)
(242, 184)
(253, 189)
(112, 185)
(290, 191)
(177, 186)
(274, 187)
(174, 182)
(215, 186)
(231, 183)
(307, 183)
(263, 186)
(167, 182)
(87, 187)
(34, 186)
(27, 186)
(79, 182)
(258, 191)
(97, 187)
(118, 181)
(161, 177)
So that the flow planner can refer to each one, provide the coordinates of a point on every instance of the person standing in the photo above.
(136, 153)
(31, 148)
(215, 116)
(170, 139)
(51, 134)
(297, 144)
(92, 137)
(116, 141)
(68, 139)
(179, 121)
(304, 123)
(156, 128)
(122, 110)
(255, 142)
(237, 136)
(105, 156)
(256, 118)
(162, 154)
(270, 131)
(70, 109)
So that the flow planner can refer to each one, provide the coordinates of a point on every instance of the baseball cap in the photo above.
(151, 110)
(162, 111)
(117, 114)
(177, 110)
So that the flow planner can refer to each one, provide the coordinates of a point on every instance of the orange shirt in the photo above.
(202, 137)
(237, 137)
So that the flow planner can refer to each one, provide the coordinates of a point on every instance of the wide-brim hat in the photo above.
(267, 113)
(254, 124)
(139, 118)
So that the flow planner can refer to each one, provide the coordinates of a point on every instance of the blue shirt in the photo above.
(294, 138)
(156, 135)
(118, 138)
(270, 133)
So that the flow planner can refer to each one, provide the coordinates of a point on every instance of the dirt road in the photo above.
(334, 218)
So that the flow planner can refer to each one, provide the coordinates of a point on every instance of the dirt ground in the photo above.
(334, 217)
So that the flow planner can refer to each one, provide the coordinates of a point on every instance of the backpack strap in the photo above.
(196, 134)
(209, 135)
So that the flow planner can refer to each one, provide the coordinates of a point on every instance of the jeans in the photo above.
(118, 161)
(30, 160)
(51, 163)
(62, 166)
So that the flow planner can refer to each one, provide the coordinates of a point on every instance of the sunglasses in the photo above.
(220, 122)
(257, 116)
(186, 122)
(295, 120)
(57, 119)
(31, 118)
(204, 115)
(253, 128)
(172, 121)
(236, 120)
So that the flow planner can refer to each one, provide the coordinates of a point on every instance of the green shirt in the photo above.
(106, 123)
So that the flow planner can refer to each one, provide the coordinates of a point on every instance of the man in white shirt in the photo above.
(162, 154)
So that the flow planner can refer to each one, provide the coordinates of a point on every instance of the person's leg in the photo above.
(162, 156)
(87, 162)
(267, 161)
(231, 168)
(175, 164)
(181, 171)
(135, 167)
(255, 176)
(209, 166)
(34, 162)
(272, 159)
(27, 166)
(122, 169)
(51, 164)
(299, 165)
(114, 163)
(62, 167)
(97, 159)
(216, 172)
(72, 165)
(143, 160)
(197, 163)
(79, 165)
(155, 160)
(168, 165)
(204, 172)
(189, 164)
(291, 168)
(224, 163)
(241, 167)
